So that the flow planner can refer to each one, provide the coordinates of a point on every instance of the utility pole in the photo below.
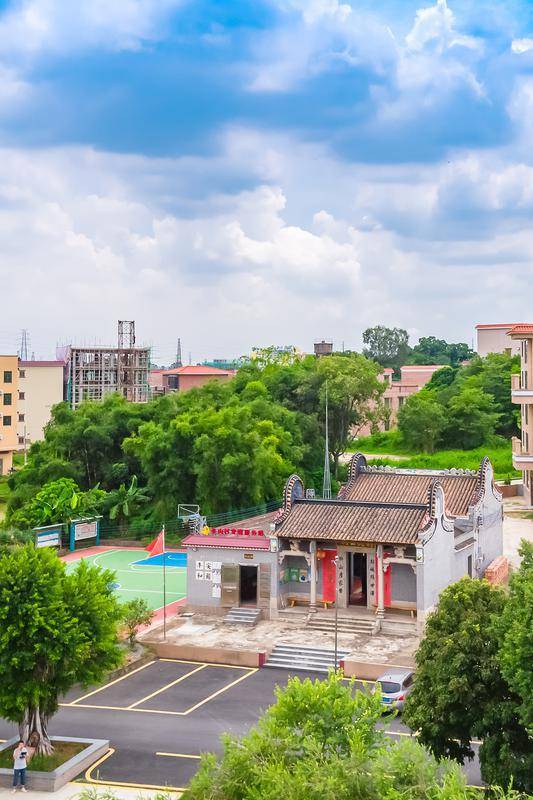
(326, 486)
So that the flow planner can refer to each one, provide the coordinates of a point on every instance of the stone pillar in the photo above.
(381, 582)
(314, 572)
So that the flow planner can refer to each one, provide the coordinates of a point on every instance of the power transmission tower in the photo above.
(24, 345)
(179, 362)
(326, 486)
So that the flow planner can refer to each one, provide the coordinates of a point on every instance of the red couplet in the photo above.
(329, 573)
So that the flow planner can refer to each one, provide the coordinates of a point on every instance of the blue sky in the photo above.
(272, 171)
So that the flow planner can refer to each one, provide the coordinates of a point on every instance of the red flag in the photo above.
(157, 546)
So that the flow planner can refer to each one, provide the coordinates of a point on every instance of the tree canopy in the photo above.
(390, 347)
(321, 741)
(56, 629)
(474, 677)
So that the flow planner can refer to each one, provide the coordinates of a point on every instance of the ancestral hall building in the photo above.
(392, 539)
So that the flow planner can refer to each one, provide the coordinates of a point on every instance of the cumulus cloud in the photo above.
(522, 46)
(33, 27)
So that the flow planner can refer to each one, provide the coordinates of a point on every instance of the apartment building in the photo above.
(9, 398)
(494, 338)
(41, 386)
(522, 395)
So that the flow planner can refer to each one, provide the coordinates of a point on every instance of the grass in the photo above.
(4, 494)
(390, 443)
(62, 752)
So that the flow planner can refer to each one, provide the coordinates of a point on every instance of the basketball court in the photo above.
(137, 574)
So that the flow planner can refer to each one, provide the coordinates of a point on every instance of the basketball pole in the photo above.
(164, 587)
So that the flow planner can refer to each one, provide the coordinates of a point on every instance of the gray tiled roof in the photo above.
(353, 522)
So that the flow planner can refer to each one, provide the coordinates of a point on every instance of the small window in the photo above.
(8, 376)
(469, 567)
(6, 421)
(22, 395)
(22, 373)
(21, 439)
(401, 401)
(22, 417)
(7, 398)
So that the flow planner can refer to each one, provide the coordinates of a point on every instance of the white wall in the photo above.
(42, 386)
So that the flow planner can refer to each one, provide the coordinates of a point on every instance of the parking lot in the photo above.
(162, 716)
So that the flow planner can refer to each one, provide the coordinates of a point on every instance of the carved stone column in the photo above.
(314, 572)
(381, 582)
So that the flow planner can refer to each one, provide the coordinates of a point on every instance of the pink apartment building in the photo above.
(181, 379)
(413, 378)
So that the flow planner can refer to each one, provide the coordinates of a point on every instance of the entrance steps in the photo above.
(243, 616)
(304, 659)
(399, 627)
(357, 626)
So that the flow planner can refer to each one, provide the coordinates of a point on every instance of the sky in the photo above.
(242, 174)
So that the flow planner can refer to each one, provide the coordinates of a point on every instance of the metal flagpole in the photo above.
(164, 587)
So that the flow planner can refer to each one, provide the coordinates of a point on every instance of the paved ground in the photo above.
(161, 717)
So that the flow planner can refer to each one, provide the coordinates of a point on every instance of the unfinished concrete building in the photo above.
(94, 372)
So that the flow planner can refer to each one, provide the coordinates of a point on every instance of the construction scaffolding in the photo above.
(95, 372)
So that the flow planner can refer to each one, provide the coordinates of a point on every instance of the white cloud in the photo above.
(522, 45)
(87, 240)
(33, 27)
(435, 26)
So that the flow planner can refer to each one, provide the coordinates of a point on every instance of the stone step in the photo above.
(306, 659)
(243, 616)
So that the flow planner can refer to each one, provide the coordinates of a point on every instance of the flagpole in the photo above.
(164, 588)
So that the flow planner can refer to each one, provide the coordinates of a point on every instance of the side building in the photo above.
(391, 541)
(41, 386)
(9, 399)
(522, 395)
(494, 338)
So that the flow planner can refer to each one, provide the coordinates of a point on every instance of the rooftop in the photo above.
(520, 329)
(338, 520)
(497, 325)
(198, 369)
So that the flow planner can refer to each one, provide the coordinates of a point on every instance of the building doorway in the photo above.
(357, 579)
(248, 584)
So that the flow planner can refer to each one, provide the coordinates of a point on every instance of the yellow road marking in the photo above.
(168, 686)
(89, 778)
(220, 691)
(123, 708)
(111, 683)
(178, 755)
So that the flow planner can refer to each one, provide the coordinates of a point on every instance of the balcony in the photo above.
(520, 395)
(521, 459)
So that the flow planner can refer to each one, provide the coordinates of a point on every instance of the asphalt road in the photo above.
(160, 718)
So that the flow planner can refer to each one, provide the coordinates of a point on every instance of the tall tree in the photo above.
(421, 421)
(56, 630)
(354, 391)
(472, 419)
(388, 346)
(460, 692)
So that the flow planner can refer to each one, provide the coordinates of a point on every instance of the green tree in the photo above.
(388, 346)
(431, 350)
(135, 614)
(472, 419)
(56, 630)
(460, 692)
(59, 501)
(354, 391)
(122, 503)
(516, 633)
(421, 421)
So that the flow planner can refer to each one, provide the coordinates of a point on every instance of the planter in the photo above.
(54, 780)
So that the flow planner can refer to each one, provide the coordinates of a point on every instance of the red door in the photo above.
(386, 584)
(329, 576)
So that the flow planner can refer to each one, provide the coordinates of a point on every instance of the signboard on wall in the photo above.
(81, 529)
(49, 536)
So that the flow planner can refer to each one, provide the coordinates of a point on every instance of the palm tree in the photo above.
(123, 502)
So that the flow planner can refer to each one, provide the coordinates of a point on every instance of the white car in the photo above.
(394, 687)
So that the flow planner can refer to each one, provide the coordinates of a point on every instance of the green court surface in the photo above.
(144, 579)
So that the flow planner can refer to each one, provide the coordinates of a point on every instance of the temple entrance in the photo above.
(357, 579)
(248, 584)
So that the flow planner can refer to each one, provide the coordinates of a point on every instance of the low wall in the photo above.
(497, 573)
(509, 489)
(52, 781)
(211, 655)
(369, 671)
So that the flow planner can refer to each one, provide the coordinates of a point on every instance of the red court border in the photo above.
(157, 620)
